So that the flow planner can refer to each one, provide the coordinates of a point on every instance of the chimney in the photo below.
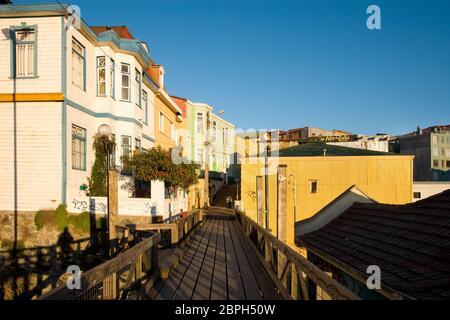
(419, 131)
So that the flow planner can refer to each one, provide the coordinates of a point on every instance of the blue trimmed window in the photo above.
(112, 74)
(24, 59)
(78, 65)
(125, 69)
(101, 76)
(145, 105)
(78, 148)
(138, 90)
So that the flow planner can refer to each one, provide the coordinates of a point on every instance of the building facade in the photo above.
(59, 82)
(319, 179)
(221, 138)
(431, 148)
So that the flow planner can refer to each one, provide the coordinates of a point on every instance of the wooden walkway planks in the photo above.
(218, 264)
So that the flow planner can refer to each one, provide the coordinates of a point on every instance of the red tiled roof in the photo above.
(181, 103)
(410, 243)
(122, 31)
(431, 129)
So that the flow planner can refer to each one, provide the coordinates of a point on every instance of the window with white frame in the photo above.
(112, 76)
(78, 148)
(78, 64)
(434, 139)
(125, 69)
(173, 131)
(137, 144)
(214, 131)
(161, 122)
(25, 53)
(199, 157)
(138, 88)
(435, 152)
(126, 146)
(199, 122)
(225, 137)
(101, 76)
(145, 106)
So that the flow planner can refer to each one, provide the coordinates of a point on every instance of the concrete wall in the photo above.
(420, 147)
(374, 145)
(428, 189)
(386, 179)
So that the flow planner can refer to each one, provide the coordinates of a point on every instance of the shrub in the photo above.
(61, 218)
(44, 217)
(81, 222)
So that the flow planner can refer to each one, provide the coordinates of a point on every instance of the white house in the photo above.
(60, 79)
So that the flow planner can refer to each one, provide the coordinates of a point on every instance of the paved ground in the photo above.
(217, 265)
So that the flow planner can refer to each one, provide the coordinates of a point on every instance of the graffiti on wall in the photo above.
(150, 208)
(251, 195)
(92, 206)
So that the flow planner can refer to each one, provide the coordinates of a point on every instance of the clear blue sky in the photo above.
(286, 64)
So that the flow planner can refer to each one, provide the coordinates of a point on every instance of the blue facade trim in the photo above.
(148, 138)
(132, 46)
(102, 114)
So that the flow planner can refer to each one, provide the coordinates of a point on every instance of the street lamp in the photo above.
(105, 131)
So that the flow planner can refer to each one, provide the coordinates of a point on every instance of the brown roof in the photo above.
(410, 243)
(122, 31)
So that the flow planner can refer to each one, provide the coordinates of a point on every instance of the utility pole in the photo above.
(266, 185)
(207, 148)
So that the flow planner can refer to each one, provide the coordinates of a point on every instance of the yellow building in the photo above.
(384, 177)
(169, 120)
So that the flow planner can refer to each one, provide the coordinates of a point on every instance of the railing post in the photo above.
(281, 217)
(294, 281)
(259, 201)
(174, 234)
(110, 287)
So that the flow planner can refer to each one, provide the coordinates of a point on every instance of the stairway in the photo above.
(221, 198)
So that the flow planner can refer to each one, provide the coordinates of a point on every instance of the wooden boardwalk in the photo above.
(218, 264)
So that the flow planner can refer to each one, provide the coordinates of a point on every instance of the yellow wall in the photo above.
(386, 179)
(164, 138)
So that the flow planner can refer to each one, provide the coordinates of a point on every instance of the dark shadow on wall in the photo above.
(25, 273)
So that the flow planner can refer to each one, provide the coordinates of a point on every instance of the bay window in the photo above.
(145, 105)
(138, 88)
(101, 76)
(78, 65)
(125, 82)
(112, 75)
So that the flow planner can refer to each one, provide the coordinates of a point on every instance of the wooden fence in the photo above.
(174, 232)
(116, 278)
(295, 276)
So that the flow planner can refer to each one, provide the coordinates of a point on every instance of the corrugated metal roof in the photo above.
(321, 149)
